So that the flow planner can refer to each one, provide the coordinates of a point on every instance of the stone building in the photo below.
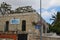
(18, 25)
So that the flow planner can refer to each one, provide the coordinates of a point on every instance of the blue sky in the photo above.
(48, 7)
(47, 13)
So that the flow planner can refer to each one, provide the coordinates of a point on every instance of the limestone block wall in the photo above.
(34, 35)
(29, 17)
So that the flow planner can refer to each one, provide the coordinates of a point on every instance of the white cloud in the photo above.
(49, 3)
(45, 3)
(48, 15)
(55, 3)
(53, 11)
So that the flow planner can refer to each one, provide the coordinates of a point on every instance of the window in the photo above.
(6, 26)
(23, 25)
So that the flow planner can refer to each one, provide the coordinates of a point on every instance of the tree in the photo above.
(56, 23)
(50, 28)
(5, 8)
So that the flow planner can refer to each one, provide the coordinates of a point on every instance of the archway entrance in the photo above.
(22, 36)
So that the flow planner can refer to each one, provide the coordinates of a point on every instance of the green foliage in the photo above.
(56, 24)
(50, 28)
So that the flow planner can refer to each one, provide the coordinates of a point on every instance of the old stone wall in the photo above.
(29, 17)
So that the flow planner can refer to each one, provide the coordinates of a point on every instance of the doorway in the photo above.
(22, 36)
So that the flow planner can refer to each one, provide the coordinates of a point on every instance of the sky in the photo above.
(16, 3)
(48, 7)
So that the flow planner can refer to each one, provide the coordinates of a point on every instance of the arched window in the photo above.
(6, 26)
(23, 25)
